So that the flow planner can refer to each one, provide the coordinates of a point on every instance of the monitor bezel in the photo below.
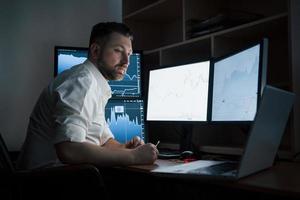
(158, 67)
(262, 78)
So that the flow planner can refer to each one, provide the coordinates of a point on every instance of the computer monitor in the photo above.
(66, 57)
(179, 93)
(130, 86)
(237, 83)
(125, 118)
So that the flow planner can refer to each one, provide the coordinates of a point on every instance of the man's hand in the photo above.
(145, 154)
(134, 142)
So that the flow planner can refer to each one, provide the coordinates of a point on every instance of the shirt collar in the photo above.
(103, 83)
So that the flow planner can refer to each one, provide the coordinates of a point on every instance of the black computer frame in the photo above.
(243, 125)
(262, 78)
(141, 95)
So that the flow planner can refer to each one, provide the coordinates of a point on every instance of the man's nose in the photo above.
(125, 59)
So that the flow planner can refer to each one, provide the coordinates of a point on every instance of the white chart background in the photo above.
(179, 93)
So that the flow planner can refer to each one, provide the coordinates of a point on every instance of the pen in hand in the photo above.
(157, 143)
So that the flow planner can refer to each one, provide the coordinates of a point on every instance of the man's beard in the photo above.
(110, 74)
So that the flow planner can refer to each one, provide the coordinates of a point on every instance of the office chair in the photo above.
(64, 182)
(5, 163)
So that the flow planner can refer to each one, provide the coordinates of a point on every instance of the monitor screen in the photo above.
(130, 86)
(66, 57)
(179, 93)
(125, 118)
(236, 87)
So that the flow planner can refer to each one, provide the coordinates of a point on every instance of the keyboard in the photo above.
(216, 169)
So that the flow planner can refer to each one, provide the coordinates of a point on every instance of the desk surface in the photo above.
(282, 178)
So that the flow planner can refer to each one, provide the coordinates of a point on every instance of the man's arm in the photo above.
(83, 152)
(112, 143)
(131, 144)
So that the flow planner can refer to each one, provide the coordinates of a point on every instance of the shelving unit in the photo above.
(162, 29)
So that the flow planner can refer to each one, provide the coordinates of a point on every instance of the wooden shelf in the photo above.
(256, 27)
(158, 12)
(134, 6)
(162, 29)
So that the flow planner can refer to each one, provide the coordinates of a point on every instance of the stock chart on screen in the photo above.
(130, 85)
(125, 118)
(67, 57)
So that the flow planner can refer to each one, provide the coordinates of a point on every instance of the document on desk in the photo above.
(185, 167)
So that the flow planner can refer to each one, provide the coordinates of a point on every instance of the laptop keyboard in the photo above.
(216, 169)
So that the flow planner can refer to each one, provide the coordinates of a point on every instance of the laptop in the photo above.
(262, 145)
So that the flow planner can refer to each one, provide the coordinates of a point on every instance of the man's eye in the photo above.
(118, 50)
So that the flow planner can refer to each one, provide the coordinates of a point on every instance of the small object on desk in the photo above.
(187, 160)
(168, 154)
(186, 155)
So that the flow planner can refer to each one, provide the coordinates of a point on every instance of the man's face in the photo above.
(113, 59)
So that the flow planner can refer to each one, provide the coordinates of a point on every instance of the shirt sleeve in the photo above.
(107, 134)
(70, 123)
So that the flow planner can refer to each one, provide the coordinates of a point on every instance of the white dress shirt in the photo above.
(71, 108)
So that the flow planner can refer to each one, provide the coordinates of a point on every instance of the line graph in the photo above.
(68, 58)
(179, 93)
(235, 86)
(130, 85)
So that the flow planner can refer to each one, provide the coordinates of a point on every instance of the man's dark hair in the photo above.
(104, 29)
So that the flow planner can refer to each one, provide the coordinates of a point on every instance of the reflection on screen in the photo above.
(125, 118)
(235, 86)
(179, 93)
(128, 87)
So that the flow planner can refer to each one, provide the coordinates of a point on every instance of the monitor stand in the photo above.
(186, 138)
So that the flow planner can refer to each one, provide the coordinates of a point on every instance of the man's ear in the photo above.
(94, 50)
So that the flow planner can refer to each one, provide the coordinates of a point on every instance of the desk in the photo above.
(282, 181)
